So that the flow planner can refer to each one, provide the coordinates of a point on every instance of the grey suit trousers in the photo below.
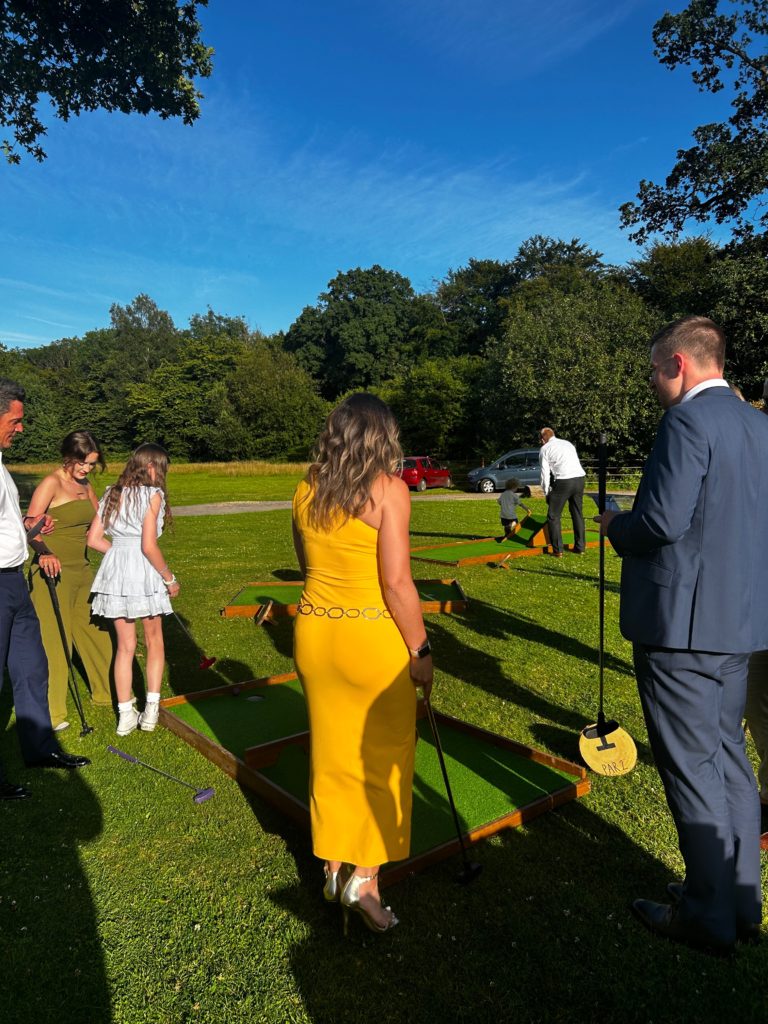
(693, 704)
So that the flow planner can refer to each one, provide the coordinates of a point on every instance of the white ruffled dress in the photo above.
(126, 585)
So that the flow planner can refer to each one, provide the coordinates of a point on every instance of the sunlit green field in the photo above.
(122, 900)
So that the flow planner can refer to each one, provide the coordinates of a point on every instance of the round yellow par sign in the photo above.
(611, 751)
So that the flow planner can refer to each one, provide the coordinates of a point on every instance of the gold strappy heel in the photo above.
(350, 900)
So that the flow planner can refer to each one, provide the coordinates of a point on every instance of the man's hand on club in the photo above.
(604, 520)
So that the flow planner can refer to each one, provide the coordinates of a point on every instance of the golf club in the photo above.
(201, 795)
(604, 745)
(71, 681)
(205, 662)
(471, 869)
(33, 531)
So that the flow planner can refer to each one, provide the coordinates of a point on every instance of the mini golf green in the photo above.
(237, 721)
(495, 782)
(489, 549)
(435, 595)
(487, 783)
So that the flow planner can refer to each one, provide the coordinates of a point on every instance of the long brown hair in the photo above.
(136, 474)
(359, 442)
(78, 445)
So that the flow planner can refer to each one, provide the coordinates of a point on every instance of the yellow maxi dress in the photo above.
(92, 641)
(354, 667)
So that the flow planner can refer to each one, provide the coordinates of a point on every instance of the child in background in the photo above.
(133, 581)
(508, 500)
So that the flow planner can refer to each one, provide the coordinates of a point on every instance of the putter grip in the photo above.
(33, 531)
(122, 753)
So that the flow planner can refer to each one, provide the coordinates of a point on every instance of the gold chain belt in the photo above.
(305, 607)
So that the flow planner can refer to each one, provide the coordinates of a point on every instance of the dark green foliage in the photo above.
(470, 299)
(125, 55)
(730, 285)
(435, 405)
(274, 407)
(576, 361)
(724, 174)
(359, 332)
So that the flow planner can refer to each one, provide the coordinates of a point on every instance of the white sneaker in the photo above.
(128, 721)
(61, 727)
(149, 716)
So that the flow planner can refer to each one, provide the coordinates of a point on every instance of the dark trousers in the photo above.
(21, 649)
(572, 491)
(693, 705)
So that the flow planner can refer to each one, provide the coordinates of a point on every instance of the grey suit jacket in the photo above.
(695, 545)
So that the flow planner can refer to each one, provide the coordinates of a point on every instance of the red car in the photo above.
(421, 472)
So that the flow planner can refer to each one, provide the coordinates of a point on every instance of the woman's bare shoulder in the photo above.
(393, 490)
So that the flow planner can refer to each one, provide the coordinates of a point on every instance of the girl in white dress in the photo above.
(133, 581)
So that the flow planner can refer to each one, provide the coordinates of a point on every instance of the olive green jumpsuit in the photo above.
(92, 640)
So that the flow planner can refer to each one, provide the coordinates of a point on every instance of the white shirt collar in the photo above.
(713, 382)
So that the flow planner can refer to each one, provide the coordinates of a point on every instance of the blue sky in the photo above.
(410, 133)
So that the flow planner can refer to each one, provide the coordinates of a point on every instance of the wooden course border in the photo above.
(246, 772)
(504, 554)
(277, 610)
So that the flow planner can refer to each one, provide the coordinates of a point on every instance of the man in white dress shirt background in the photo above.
(21, 647)
(562, 480)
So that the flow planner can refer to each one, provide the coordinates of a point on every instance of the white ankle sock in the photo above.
(153, 698)
(124, 705)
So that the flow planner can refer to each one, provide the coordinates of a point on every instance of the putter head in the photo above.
(85, 730)
(469, 872)
(202, 795)
(600, 729)
(206, 663)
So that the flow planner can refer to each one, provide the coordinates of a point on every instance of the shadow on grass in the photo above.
(185, 658)
(479, 668)
(500, 624)
(52, 960)
(542, 935)
(288, 575)
(566, 573)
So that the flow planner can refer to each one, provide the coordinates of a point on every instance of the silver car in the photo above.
(521, 464)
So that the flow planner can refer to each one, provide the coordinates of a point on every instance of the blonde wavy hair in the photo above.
(359, 442)
(136, 474)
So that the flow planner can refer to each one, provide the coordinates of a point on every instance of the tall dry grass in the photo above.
(224, 469)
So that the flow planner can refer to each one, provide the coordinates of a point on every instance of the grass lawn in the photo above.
(195, 483)
(122, 900)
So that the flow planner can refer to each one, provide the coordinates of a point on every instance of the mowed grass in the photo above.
(198, 483)
(122, 900)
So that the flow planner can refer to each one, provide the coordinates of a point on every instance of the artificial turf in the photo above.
(487, 781)
(289, 593)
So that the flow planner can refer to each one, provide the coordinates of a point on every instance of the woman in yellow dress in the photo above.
(360, 650)
(67, 495)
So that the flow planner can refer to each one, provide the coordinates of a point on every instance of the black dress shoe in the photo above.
(749, 934)
(58, 759)
(662, 919)
(11, 791)
(675, 891)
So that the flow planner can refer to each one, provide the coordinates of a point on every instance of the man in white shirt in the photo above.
(562, 479)
(21, 647)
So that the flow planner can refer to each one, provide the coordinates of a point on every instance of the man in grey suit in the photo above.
(694, 564)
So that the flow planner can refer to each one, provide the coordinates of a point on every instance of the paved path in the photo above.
(229, 508)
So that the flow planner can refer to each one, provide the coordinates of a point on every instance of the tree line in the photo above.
(552, 336)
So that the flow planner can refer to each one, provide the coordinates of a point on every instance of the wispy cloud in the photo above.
(513, 39)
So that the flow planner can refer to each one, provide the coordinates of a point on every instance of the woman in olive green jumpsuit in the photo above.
(68, 497)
